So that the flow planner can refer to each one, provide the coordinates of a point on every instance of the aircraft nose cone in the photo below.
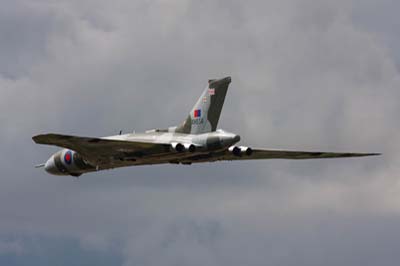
(50, 167)
(236, 138)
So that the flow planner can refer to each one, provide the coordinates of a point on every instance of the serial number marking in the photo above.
(198, 121)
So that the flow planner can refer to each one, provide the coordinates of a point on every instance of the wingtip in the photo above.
(370, 154)
(376, 154)
(36, 138)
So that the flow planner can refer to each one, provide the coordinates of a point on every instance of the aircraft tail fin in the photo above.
(205, 114)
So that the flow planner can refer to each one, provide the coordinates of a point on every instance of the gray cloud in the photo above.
(306, 75)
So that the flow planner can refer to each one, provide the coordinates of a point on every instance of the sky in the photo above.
(306, 75)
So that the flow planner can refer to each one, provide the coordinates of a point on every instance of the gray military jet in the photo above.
(196, 140)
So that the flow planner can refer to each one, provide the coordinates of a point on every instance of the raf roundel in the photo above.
(68, 157)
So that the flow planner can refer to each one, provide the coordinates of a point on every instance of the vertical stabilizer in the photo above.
(205, 114)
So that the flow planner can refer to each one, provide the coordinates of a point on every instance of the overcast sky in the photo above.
(306, 74)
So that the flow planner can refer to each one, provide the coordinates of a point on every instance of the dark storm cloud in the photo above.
(306, 75)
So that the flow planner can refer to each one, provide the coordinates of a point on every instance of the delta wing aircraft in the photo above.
(196, 140)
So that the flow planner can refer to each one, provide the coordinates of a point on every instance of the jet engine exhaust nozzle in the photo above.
(178, 147)
(239, 151)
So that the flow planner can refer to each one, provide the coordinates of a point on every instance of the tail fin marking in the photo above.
(205, 114)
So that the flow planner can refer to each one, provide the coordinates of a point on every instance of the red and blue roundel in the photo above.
(68, 157)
